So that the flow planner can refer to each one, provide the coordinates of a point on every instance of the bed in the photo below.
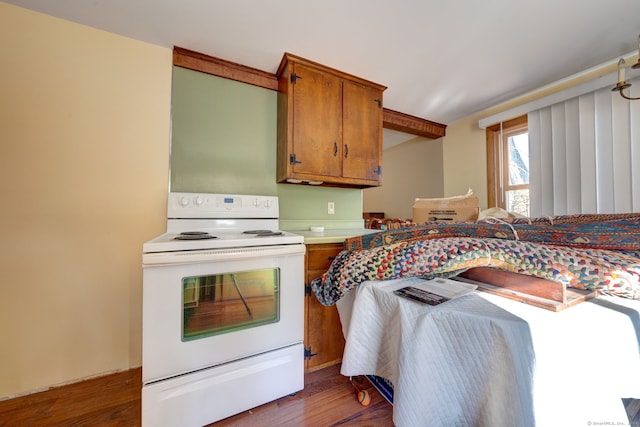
(481, 359)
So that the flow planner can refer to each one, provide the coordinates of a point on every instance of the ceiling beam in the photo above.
(410, 124)
(196, 61)
(222, 68)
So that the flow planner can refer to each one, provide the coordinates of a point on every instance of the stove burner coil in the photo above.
(263, 233)
(194, 235)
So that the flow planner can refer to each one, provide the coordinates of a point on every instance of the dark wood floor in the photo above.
(328, 399)
(111, 400)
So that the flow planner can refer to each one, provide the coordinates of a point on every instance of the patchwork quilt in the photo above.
(603, 231)
(597, 252)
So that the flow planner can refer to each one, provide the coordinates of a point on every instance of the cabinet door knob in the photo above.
(335, 149)
(346, 150)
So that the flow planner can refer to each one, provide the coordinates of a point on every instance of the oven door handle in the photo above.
(214, 255)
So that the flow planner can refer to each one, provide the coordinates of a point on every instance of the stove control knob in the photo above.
(267, 203)
(198, 200)
(256, 202)
(183, 201)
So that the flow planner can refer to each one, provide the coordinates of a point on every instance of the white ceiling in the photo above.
(440, 59)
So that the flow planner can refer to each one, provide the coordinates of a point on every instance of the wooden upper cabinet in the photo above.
(329, 126)
(362, 132)
(317, 123)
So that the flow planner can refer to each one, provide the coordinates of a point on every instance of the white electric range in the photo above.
(223, 310)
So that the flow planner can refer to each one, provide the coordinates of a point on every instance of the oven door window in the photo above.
(222, 303)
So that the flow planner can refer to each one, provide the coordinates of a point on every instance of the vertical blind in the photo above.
(585, 155)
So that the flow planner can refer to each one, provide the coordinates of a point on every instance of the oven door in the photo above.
(206, 308)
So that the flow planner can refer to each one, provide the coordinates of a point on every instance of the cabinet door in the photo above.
(323, 330)
(317, 122)
(362, 132)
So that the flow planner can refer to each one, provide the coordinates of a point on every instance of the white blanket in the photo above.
(483, 360)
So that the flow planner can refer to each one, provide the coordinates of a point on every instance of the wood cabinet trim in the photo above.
(222, 68)
(196, 61)
(413, 125)
(341, 74)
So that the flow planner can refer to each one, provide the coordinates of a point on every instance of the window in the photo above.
(508, 165)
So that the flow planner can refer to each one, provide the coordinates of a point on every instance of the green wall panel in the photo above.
(305, 202)
(223, 135)
(224, 141)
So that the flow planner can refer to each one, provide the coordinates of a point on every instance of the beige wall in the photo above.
(464, 146)
(411, 169)
(84, 136)
(464, 160)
